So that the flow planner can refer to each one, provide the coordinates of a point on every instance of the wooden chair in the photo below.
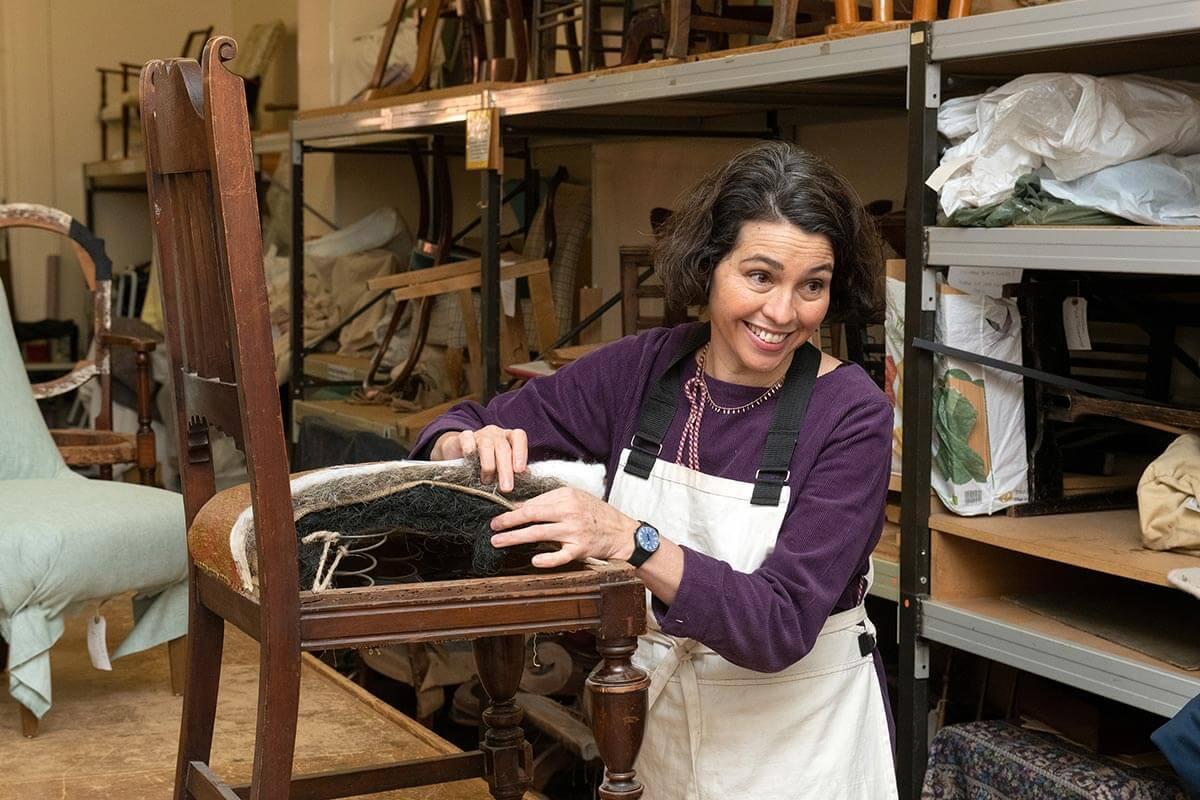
(483, 60)
(635, 262)
(216, 314)
(101, 446)
(883, 14)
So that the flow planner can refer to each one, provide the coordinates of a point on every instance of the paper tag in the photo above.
(98, 643)
(945, 171)
(1193, 504)
(987, 281)
(483, 139)
(508, 297)
(1075, 323)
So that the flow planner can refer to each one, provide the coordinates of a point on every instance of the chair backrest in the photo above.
(97, 276)
(201, 184)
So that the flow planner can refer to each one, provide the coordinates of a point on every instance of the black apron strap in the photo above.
(658, 409)
(775, 466)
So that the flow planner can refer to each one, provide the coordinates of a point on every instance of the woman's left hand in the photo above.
(582, 524)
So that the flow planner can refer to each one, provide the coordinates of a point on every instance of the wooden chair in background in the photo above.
(100, 446)
(883, 14)
(635, 262)
(121, 106)
(207, 237)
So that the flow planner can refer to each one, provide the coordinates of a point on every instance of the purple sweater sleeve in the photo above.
(769, 619)
(569, 414)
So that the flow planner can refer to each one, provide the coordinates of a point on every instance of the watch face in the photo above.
(647, 538)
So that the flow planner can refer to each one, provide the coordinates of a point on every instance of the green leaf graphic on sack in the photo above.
(954, 420)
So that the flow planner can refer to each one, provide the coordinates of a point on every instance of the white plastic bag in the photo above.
(1160, 190)
(980, 462)
(1073, 124)
(374, 230)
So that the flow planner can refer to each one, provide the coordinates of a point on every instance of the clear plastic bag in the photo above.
(1072, 124)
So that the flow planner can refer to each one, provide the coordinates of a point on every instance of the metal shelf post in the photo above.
(924, 92)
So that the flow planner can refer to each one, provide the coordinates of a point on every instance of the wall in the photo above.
(48, 55)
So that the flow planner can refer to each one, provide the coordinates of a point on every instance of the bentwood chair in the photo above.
(206, 231)
(100, 447)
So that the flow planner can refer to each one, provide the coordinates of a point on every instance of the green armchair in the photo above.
(67, 542)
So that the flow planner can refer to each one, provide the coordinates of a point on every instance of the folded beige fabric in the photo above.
(1169, 497)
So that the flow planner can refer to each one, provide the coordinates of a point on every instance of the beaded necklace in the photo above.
(696, 391)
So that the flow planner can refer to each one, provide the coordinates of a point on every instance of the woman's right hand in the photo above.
(503, 452)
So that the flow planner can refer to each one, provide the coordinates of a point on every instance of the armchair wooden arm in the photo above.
(139, 344)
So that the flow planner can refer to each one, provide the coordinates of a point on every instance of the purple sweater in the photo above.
(768, 619)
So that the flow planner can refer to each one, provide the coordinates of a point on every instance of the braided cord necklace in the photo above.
(696, 391)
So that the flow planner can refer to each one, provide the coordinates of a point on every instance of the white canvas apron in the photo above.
(717, 731)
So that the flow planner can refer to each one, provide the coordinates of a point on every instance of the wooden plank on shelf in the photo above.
(337, 367)
(428, 288)
(1127, 616)
(1103, 541)
(889, 543)
(433, 95)
(380, 419)
(1008, 612)
(469, 266)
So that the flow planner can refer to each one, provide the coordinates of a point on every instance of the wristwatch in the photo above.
(645, 543)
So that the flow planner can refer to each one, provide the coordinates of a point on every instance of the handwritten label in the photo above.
(98, 643)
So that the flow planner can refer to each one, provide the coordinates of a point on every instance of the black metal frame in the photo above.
(490, 205)
(912, 725)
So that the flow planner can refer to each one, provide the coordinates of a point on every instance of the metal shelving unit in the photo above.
(1146, 251)
(1096, 36)
(733, 94)
(1128, 680)
(741, 93)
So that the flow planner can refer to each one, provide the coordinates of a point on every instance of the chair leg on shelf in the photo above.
(29, 723)
(783, 20)
(205, 641)
(500, 661)
(619, 693)
(177, 658)
(680, 29)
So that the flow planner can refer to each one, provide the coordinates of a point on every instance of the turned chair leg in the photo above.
(679, 33)
(924, 10)
(29, 723)
(202, 675)
(619, 694)
(783, 20)
(846, 12)
(500, 661)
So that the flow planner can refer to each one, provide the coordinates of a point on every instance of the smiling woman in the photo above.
(747, 478)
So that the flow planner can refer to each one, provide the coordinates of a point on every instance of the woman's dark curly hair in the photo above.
(772, 182)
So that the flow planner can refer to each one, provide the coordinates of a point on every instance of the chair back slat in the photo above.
(200, 177)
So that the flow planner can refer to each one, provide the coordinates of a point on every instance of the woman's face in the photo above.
(766, 299)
